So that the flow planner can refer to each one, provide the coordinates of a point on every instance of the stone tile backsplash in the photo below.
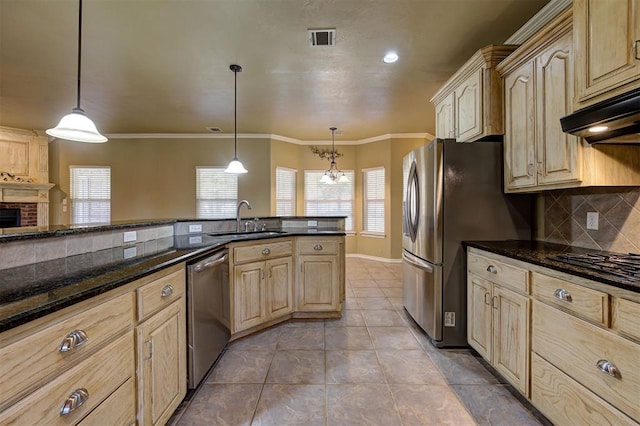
(565, 218)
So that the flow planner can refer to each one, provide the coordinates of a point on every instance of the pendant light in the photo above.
(333, 175)
(76, 126)
(235, 166)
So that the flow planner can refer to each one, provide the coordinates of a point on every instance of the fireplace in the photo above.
(18, 214)
(9, 218)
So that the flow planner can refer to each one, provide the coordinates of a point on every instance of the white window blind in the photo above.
(216, 193)
(90, 193)
(321, 199)
(373, 200)
(285, 191)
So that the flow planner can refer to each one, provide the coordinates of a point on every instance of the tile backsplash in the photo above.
(565, 218)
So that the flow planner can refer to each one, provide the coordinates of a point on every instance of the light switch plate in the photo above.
(449, 319)
(130, 252)
(195, 228)
(195, 240)
(592, 220)
(312, 223)
(129, 236)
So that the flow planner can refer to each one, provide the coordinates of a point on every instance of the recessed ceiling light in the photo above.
(390, 57)
(598, 129)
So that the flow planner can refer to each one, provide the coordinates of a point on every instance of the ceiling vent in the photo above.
(214, 129)
(322, 37)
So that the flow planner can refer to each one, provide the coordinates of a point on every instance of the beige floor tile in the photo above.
(304, 338)
(397, 283)
(353, 367)
(350, 303)
(347, 338)
(362, 404)
(356, 283)
(392, 292)
(291, 405)
(393, 338)
(223, 405)
(297, 367)
(359, 275)
(241, 367)
(264, 340)
(397, 303)
(382, 318)
(368, 292)
(409, 367)
(430, 405)
(305, 323)
(350, 318)
(374, 303)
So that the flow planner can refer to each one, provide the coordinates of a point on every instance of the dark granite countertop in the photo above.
(32, 291)
(538, 253)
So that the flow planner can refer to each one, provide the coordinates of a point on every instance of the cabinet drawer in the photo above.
(626, 317)
(565, 401)
(499, 272)
(262, 251)
(584, 302)
(118, 409)
(577, 347)
(160, 293)
(314, 246)
(35, 357)
(99, 376)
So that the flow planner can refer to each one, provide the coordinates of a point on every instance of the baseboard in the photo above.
(376, 258)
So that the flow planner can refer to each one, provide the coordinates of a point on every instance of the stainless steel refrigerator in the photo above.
(452, 192)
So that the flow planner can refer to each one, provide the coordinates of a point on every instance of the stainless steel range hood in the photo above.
(616, 120)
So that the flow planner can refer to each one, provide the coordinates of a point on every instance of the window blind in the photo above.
(216, 193)
(90, 193)
(285, 191)
(373, 200)
(321, 199)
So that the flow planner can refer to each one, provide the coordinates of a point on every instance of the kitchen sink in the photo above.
(247, 235)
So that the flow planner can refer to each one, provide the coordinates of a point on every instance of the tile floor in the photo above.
(373, 366)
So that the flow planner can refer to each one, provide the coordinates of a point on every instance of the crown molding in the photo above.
(266, 136)
(539, 20)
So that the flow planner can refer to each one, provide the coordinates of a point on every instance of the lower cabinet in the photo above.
(316, 287)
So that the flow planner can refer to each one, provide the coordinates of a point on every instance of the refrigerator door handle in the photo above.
(412, 206)
(413, 261)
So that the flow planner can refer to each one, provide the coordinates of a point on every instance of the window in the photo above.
(321, 199)
(373, 200)
(90, 192)
(216, 193)
(285, 191)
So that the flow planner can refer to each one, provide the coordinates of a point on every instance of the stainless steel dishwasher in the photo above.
(208, 313)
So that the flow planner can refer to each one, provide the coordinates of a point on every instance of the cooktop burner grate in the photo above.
(625, 266)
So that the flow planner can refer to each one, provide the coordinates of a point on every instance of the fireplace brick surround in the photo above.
(28, 212)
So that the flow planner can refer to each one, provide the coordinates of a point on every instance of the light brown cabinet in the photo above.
(469, 105)
(319, 279)
(607, 48)
(498, 322)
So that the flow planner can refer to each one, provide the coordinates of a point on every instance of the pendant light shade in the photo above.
(76, 126)
(235, 166)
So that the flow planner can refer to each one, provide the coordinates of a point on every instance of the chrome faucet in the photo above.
(238, 213)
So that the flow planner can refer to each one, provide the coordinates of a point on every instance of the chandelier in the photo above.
(333, 175)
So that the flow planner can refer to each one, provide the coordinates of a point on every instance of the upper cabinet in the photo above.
(469, 105)
(607, 48)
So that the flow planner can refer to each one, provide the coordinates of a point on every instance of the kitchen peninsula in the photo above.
(85, 302)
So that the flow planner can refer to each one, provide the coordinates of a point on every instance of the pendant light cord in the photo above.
(235, 114)
(79, 51)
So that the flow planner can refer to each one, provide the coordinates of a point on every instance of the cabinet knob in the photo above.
(317, 247)
(609, 368)
(72, 340)
(562, 294)
(73, 401)
(636, 54)
(530, 169)
(167, 291)
(266, 251)
(492, 269)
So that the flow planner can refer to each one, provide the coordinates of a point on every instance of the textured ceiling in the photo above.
(162, 66)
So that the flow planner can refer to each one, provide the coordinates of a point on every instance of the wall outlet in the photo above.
(130, 252)
(129, 236)
(592, 220)
(449, 319)
(195, 240)
(195, 228)
(312, 223)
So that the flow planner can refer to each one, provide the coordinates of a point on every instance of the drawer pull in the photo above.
(562, 294)
(494, 302)
(266, 251)
(608, 367)
(73, 401)
(486, 299)
(492, 269)
(72, 340)
(317, 247)
(167, 291)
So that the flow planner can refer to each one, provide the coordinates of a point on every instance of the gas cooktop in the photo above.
(626, 266)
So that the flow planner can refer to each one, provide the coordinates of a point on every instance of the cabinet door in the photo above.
(279, 287)
(479, 315)
(606, 35)
(162, 374)
(319, 283)
(249, 295)
(511, 326)
(519, 139)
(468, 108)
(444, 118)
(558, 153)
